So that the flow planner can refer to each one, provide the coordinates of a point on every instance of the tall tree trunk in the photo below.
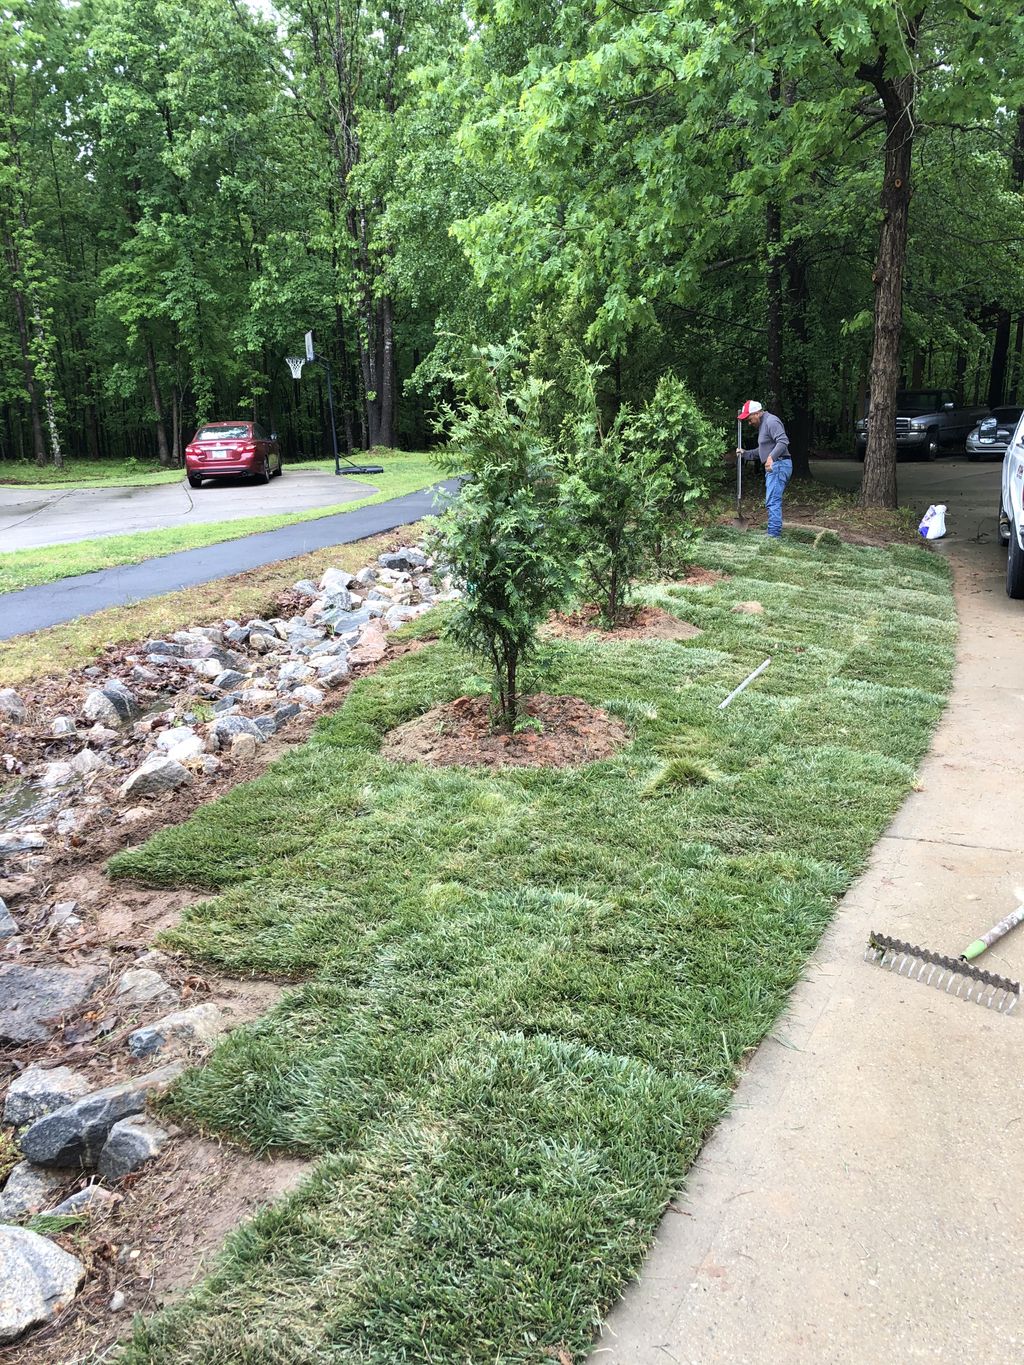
(163, 454)
(798, 415)
(773, 234)
(387, 377)
(897, 94)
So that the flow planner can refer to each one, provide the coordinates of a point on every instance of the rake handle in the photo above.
(997, 932)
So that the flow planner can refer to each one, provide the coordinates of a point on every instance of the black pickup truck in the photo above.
(929, 422)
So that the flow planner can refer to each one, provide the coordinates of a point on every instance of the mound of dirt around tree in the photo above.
(638, 623)
(572, 733)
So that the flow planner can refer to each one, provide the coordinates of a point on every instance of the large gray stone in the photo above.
(20, 841)
(199, 1026)
(335, 580)
(141, 986)
(8, 926)
(12, 707)
(167, 740)
(224, 729)
(305, 588)
(339, 599)
(28, 1189)
(404, 560)
(160, 773)
(132, 1142)
(37, 1280)
(93, 1199)
(164, 647)
(111, 704)
(39, 1090)
(309, 696)
(31, 995)
(76, 1134)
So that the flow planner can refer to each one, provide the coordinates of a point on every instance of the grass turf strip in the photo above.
(525, 995)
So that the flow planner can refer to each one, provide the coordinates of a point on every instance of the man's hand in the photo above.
(768, 464)
(739, 452)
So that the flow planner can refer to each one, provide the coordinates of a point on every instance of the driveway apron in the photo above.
(862, 1201)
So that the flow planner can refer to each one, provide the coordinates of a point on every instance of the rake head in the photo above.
(948, 974)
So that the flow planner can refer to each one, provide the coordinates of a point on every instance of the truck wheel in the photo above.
(931, 445)
(1003, 526)
(1015, 568)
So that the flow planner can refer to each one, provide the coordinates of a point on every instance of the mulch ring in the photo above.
(638, 623)
(459, 732)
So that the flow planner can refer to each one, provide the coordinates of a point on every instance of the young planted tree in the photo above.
(626, 483)
(505, 537)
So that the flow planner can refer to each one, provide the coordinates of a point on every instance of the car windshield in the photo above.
(922, 400)
(226, 431)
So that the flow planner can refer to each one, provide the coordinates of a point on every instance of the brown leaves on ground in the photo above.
(637, 623)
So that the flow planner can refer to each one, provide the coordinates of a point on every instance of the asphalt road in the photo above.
(52, 603)
(31, 518)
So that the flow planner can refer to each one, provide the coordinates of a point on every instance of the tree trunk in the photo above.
(1018, 357)
(773, 234)
(798, 417)
(387, 377)
(163, 454)
(879, 486)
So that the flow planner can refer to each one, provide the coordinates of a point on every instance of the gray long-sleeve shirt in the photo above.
(771, 439)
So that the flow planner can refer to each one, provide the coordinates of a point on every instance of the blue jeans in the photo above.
(775, 480)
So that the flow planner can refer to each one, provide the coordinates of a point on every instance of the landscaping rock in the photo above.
(207, 668)
(40, 1090)
(56, 774)
(8, 927)
(117, 1301)
(229, 678)
(243, 747)
(141, 986)
(12, 707)
(224, 729)
(77, 1133)
(187, 750)
(63, 725)
(70, 820)
(236, 635)
(309, 696)
(294, 673)
(348, 623)
(111, 704)
(28, 1189)
(372, 646)
(403, 560)
(170, 739)
(37, 1280)
(287, 712)
(339, 600)
(132, 1142)
(20, 841)
(141, 674)
(366, 577)
(63, 916)
(160, 773)
(99, 736)
(31, 995)
(749, 608)
(15, 889)
(335, 580)
(88, 761)
(164, 647)
(93, 1199)
(305, 588)
(201, 1025)
(154, 959)
(267, 724)
(397, 616)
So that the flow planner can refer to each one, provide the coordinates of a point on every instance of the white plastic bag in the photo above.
(933, 523)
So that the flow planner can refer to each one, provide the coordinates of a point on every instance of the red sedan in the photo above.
(220, 449)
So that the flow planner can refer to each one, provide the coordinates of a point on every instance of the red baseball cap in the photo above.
(751, 405)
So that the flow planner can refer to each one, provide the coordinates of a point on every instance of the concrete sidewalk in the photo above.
(51, 603)
(862, 1202)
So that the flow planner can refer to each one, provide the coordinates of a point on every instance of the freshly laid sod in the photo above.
(27, 568)
(523, 996)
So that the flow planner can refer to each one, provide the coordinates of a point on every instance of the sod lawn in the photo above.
(522, 997)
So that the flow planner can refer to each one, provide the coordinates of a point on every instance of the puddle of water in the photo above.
(24, 804)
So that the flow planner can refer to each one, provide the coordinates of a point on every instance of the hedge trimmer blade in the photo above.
(950, 974)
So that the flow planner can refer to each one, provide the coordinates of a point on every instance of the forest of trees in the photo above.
(797, 201)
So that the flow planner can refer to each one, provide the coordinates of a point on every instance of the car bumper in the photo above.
(996, 449)
(215, 469)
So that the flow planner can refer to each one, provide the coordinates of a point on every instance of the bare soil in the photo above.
(571, 732)
(639, 623)
(155, 1242)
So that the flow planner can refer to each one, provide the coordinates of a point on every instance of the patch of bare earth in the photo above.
(568, 733)
(155, 1242)
(638, 623)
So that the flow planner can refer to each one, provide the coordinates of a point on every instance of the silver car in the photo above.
(991, 436)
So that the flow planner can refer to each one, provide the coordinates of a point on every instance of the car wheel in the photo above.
(194, 481)
(280, 467)
(264, 475)
(931, 446)
(1015, 569)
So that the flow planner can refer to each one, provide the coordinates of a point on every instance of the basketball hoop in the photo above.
(295, 364)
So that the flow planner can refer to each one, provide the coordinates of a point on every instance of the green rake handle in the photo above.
(997, 931)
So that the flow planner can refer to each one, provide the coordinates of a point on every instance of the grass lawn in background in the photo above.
(523, 996)
(29, 568)
(86, 474)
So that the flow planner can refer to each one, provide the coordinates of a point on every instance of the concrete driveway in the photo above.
(862, 1201)
(33, 518)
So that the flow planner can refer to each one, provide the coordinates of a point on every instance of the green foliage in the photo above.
(626, 484)
(504, 538)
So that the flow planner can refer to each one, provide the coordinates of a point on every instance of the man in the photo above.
(773, 452)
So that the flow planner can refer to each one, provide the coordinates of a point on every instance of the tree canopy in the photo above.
(797, 202)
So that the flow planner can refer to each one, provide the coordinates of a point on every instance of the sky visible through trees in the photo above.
(793, 201)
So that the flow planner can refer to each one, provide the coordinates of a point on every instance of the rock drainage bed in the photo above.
(94, 1022)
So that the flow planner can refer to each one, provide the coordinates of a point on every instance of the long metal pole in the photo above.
(745, 683)
(330, 406)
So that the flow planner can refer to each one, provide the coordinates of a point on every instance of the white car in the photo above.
(1011, 512)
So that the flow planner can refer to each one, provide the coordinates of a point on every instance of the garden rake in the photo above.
(739, 520)
(955, 975)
